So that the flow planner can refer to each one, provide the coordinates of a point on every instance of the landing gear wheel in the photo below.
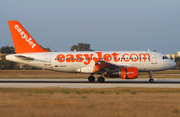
(91, 78)
(151, 80)
(101, 79)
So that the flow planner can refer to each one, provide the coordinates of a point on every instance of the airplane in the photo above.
(110, 64)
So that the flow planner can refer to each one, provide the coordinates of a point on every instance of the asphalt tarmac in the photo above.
(83, 83)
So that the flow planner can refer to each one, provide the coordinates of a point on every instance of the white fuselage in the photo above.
(85, 61)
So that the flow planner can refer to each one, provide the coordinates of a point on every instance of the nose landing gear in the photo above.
(151, 80)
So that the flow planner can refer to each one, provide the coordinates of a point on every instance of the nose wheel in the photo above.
(151, 80)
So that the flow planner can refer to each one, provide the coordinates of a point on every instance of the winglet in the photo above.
(23, 41)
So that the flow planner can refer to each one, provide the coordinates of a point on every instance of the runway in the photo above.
(83, 83)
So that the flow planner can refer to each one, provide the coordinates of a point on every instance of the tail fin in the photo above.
(23, 41)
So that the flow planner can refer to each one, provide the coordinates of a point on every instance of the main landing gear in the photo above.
(101, 79)
(151, 80)
(92, 79)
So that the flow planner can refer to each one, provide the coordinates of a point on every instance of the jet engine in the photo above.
(124, 73)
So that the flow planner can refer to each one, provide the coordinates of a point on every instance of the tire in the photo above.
(151, 80)
(101, 79)
(91, 78)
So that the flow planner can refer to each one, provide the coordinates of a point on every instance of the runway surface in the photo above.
(83, 83)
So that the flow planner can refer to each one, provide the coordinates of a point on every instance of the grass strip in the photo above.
(87, 90)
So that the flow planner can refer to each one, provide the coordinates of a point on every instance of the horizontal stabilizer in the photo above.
(24, 57)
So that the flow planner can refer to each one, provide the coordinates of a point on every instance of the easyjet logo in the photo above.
(25, 37)
(87, 58)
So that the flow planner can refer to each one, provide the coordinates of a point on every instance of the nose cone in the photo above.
(172, 64)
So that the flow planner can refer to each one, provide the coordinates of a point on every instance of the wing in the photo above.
(103, 66)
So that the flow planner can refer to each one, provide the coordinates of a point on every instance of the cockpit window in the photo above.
(165, 57)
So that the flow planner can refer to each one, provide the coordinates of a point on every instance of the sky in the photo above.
(107, 25)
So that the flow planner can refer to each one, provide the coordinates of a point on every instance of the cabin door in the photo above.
(153, 58)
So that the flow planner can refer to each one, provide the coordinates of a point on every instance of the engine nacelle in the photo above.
(124, 73)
